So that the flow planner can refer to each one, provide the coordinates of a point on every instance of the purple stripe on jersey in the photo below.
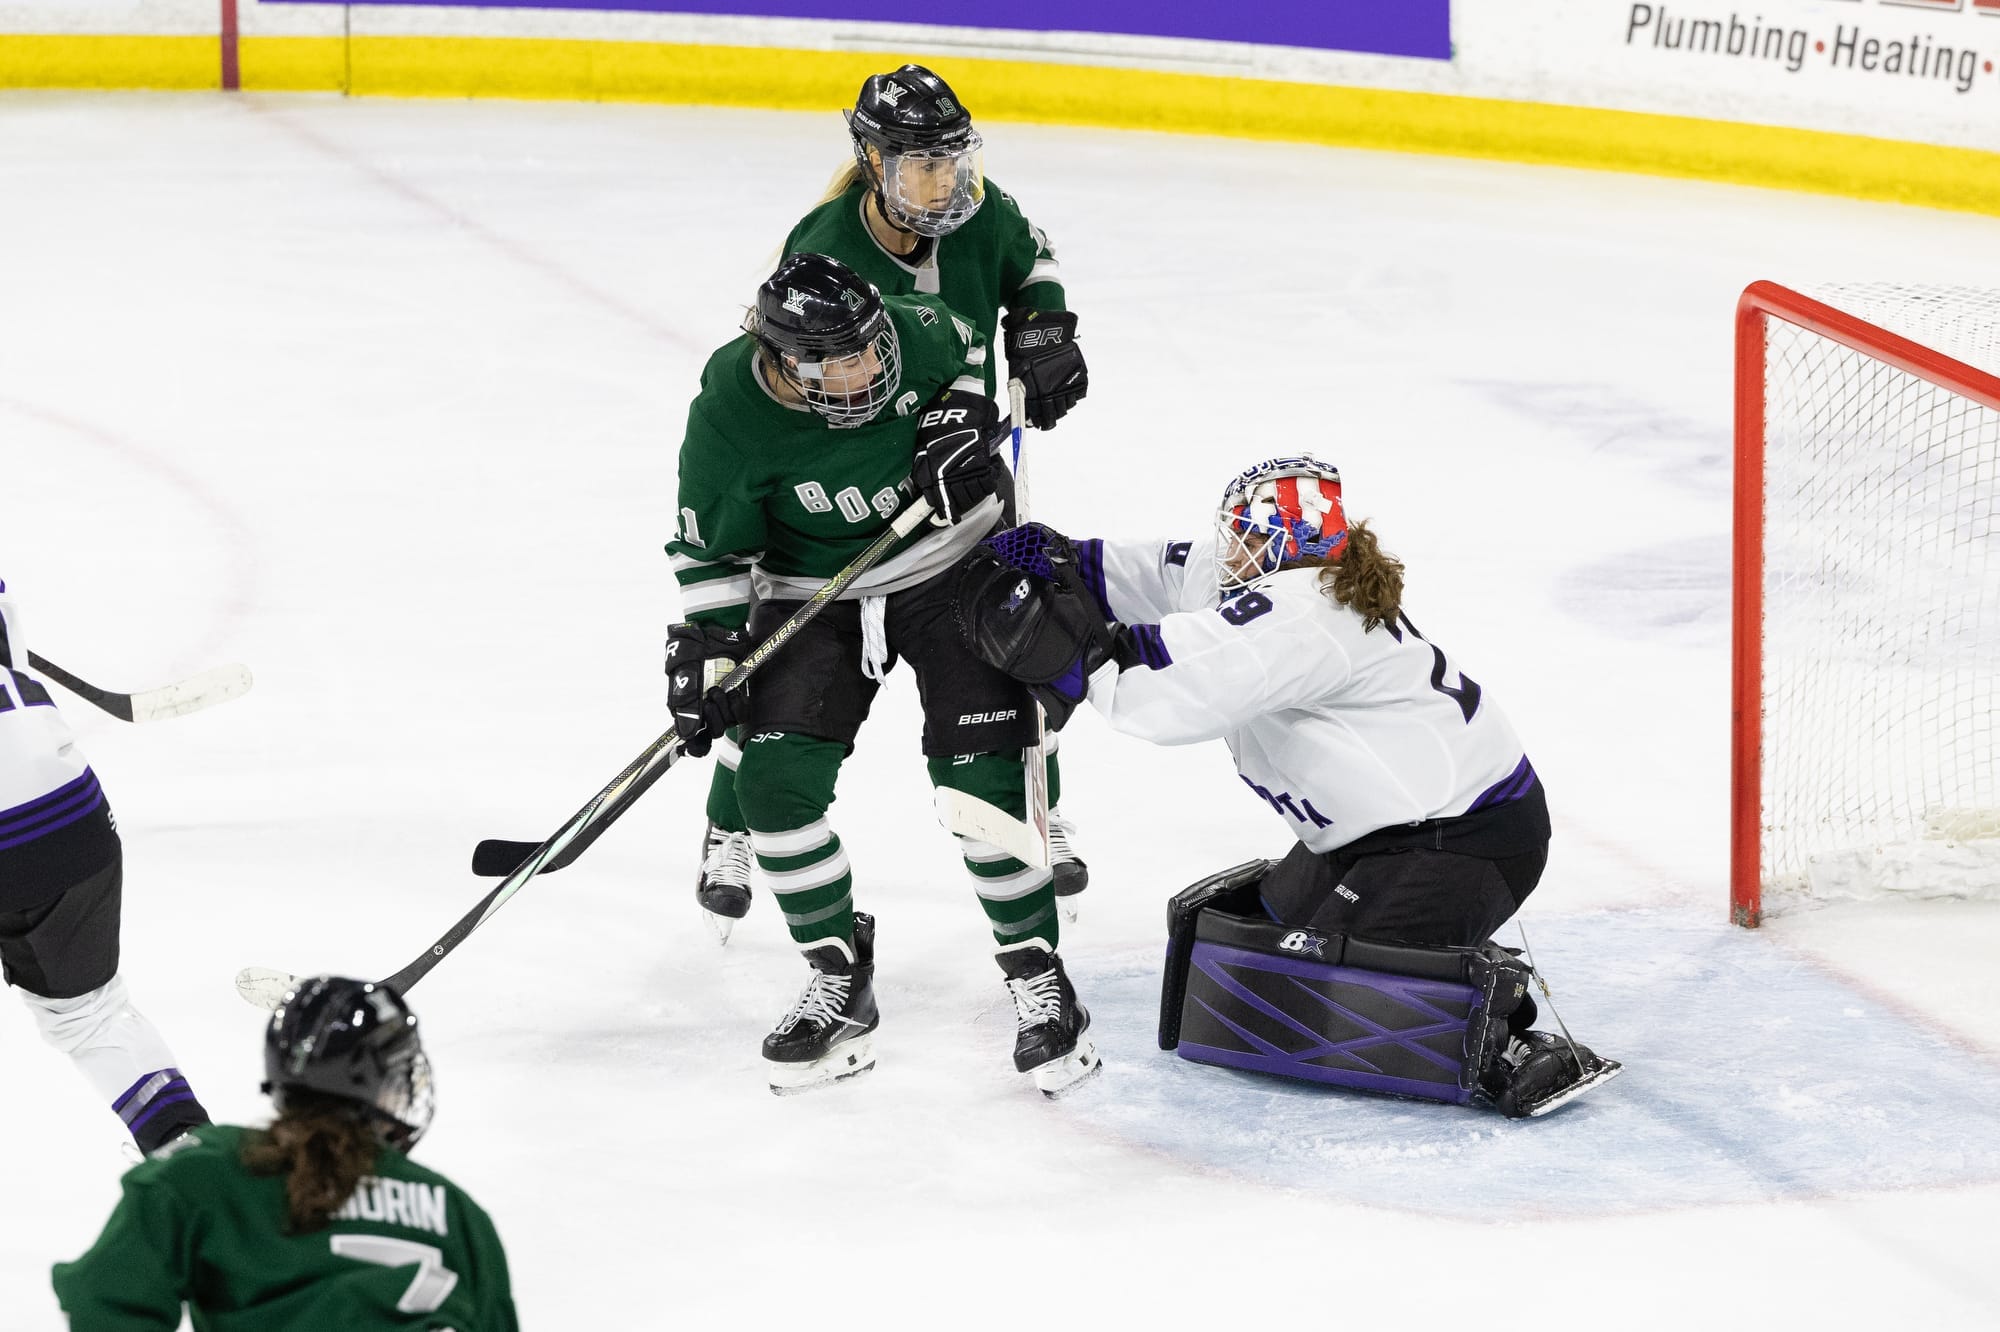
(146, 1086)
(42, 803)
(1090, 563)
(79, 806)
(183, 1094)
(1152, 648)
(1511, 787)
(139, 1111)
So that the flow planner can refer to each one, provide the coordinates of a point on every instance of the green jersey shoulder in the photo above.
(408, 1249)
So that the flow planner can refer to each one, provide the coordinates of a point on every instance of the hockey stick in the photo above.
(175, 700)
(266, 987)
(1027, 840)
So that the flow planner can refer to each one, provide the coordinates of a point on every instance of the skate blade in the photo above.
(1060, 1077)
(719, 926)
(850, 1060)
(1067, 906)
(1608, 1070)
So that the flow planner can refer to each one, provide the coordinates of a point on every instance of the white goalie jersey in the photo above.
(1340, 732)
(44, 781)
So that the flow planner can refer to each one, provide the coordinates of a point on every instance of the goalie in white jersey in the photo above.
(1421, 822)
(61, 881)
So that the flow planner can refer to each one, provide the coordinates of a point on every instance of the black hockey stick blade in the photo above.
(494, 858)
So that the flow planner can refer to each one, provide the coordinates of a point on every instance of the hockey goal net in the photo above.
(1867, 596)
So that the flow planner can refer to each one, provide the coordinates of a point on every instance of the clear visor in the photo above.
(935, 190)
(1247, 547)
(410, 1101)
(851, 390)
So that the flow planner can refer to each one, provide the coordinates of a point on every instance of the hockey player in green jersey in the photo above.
(319, 1223)
(914, 214)
(809, 435)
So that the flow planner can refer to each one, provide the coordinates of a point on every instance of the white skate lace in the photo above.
(1037, 999)
(825, 995)
(728, 859)
(1059, 832)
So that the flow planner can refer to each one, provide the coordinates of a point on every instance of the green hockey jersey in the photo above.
(997, 259)
(409, 1251)
(775, 499)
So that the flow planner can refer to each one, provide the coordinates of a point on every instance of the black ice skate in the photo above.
(1540, 1070)
(1072, 876)
(827, 1035)
(723, 886)
(1051, 1041)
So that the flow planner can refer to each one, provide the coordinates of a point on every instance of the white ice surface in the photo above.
(383, 398)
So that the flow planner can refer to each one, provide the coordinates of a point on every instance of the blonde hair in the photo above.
(1366, 579)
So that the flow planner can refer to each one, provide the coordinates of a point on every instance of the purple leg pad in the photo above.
(1339, 1025)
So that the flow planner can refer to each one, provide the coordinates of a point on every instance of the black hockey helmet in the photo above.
(931, 176)
(826, 329)
(357, 1041)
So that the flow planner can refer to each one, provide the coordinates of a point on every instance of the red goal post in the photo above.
(1848, 423)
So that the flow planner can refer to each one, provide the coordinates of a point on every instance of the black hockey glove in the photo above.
(1042, 354)
(698, 656)
(954, 468)
(1024, 608)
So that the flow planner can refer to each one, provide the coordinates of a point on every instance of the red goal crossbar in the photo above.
(1760, 303)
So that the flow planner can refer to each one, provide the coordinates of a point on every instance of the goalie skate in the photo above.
(1052, 1042)
(828, 1036)
(1546, 1071)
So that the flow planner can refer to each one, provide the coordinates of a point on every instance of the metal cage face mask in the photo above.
(1286, 509)
(935, 191)
(852, 390)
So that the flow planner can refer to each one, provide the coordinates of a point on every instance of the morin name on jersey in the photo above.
(396, 1202)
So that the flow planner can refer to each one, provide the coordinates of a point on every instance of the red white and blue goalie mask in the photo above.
(1278, 511)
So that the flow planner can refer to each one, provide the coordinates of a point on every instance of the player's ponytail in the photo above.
(843, 181)
(322, 1146)
(1366, 579)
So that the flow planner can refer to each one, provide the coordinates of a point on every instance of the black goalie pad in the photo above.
(1243, 991)
(1232, 890)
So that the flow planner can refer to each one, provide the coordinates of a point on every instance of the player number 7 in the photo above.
(434, 1281)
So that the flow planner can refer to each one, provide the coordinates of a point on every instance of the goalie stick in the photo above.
(266, 987)
(175, 700)
(966, 815)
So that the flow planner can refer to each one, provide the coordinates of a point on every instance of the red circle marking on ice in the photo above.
(1820, 47)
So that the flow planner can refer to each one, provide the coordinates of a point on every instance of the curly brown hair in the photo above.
(322, 1145)
(1366, 579)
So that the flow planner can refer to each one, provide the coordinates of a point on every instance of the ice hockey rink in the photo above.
(383, 399)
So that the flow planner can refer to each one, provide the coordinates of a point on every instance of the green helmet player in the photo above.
(810, 435)
(914, 214)
(320, 1220)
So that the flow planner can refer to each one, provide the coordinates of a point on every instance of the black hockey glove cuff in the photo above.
(1048, 635)
(954, 467)
(698, 657)
(1043, 354)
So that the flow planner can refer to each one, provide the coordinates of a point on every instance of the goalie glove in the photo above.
(1042, 354)
(698, 657)
(1024, 608)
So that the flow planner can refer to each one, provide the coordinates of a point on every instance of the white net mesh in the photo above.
(1881, 608)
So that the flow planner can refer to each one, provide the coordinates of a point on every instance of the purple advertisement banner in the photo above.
(1377, 27)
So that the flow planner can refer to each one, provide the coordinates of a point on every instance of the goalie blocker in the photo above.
(1442, 1024)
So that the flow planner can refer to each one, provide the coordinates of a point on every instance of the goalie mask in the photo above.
(1278, 511)
(358, 1042)
(826, 331)
(931, 176)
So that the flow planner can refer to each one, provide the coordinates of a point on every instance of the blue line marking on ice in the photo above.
(1750, 1076)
